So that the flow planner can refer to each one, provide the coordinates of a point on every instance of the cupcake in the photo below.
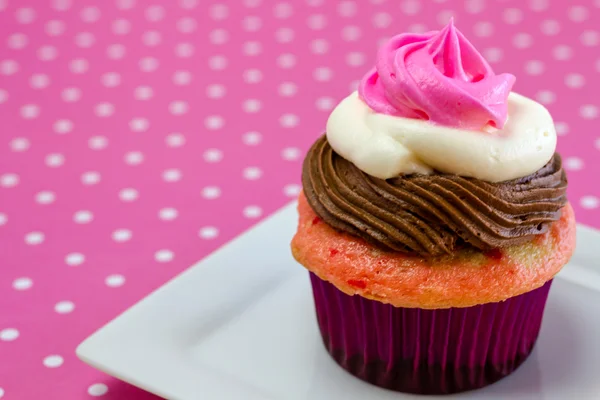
(433, 219)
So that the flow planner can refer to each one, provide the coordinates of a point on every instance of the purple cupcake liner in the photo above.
(428, 351)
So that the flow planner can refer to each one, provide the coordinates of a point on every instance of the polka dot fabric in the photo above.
(136, 137)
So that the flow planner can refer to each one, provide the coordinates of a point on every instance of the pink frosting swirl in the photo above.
(438, 76)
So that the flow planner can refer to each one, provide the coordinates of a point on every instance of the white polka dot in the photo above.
(178, 107)
(114, 281)
(319, 46)
(445, 16)
(252, 173)
(9, 334)
(351, 33)
(71, 94)
(3, 219)
(287, 89)
(74, 259)
(164, 255)
(483, 29)
(545, 96)
(143, 93)
(139, 124)
(251, 106)
(188, 4)
(90, 14)
(346, 8)
(186, 25)
(184, 50)
(30, 111)
(9, 67)
(148, 64)
(522, 40)
(252, 212)
(115, 51)
(19, 144)
(3, 96)
(493, 54)
(64, 307)
(314, 3)
(324, 103)
(1, 392)
(474, 6)
(573, 163)
(211, 192)
(34, 238)
(550, 27)
(574, 81)
(287, 60)
(128, 194)
(252, 138)
(167, 214)
(55, 27)
(213, 155)
(410, 7)
(182, 78)
(512, 15)
(562, 128)
(322, 74)
(217, 62)
(111, 79)
(208, 232)
(597, 143)
(121, 235)
(317, 21)
(151, 38)
(45, 197)
(415, 28)
(62, 126)
(90, 178)
(283, 10)
(219, 36)
(589, 202)
(175, 140)
(53, 361)
(9, 180)
(104, 109)
(61, 5)
(171, 175)
(578, 13)
(252, 48)
(252, 76)
(284, 35)
(121, 27)
(590, 38)
(214, 122)
(17, 41)
(85, 39)
(23, 283)
(25, 15)
(215, 91)
(83, 217)
(39, 81)
(252, 3)
(382, 20)
(134, 158)
(289, 120)
(125, 4)
(219, 12)
(252, 23)
(97, 389)
(355, 59)
(562, 52)
(534, 67)
(55, 160)
(97, 142)
(154, 13)
(588, 111)
(292, 190)
(538, 5)
(78, 66)
(291, 153)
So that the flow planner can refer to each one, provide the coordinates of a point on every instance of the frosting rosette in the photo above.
(437, 76)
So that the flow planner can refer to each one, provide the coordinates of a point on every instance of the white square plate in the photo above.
(240, 324)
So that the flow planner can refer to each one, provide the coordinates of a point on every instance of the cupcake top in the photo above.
(434, 152)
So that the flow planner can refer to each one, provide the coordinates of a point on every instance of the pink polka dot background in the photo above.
(138, 136)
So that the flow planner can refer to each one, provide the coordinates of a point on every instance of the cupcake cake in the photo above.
(433, 219)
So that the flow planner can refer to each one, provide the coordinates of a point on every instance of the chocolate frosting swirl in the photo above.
(431, 215)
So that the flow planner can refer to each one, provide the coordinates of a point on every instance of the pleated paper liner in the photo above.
(428, 351)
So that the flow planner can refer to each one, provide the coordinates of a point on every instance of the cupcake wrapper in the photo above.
(428, 351)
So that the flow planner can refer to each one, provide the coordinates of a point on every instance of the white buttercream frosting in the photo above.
(386, 146)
